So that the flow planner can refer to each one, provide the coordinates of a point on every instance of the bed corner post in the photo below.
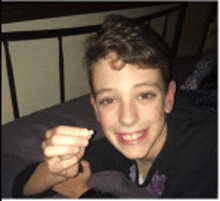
(61, 71)
(11, 81)
(179, 27)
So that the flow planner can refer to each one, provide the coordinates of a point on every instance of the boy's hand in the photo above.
(63, 147)
(75, 187)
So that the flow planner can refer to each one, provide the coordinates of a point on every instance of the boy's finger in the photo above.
(86, 170)
(57, 166)
(51, 151)
(67, 140)
(69, 130)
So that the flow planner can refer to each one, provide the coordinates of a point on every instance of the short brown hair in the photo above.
(132, 41)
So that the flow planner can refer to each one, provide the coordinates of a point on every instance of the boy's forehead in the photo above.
(118, 66)
(104, 74)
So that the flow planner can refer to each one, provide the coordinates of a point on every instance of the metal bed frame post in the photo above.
(179, 28)
(11, 81)
(165, 26)
(61, 70)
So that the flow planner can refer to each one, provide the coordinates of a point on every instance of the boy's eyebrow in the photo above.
(135, 86)
(103, 91)
(147, 84)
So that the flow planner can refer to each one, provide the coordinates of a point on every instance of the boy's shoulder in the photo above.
(187, 116)
(193, 135)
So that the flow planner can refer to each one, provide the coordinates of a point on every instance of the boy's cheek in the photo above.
(104, 123)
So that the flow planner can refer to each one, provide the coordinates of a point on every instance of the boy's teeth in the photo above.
(131, 137)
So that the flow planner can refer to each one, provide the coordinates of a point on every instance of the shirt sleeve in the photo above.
(22, 178)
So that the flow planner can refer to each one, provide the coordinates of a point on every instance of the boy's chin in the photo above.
(134, 155)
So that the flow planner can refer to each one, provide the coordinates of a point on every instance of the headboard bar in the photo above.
(160, 13)
(178, 29)
(30, 35)
(165, 26)
(61, 71)
(11, 81)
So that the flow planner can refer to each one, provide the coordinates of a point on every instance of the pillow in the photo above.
(22, 138)
(204, 68)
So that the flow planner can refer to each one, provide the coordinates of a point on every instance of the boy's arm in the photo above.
(40, 181)
(22, 180)
(63, 147)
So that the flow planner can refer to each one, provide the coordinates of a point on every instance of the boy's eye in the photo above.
(106, 101)
(146, 96)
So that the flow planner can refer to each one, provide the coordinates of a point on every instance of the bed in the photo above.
(21, 138)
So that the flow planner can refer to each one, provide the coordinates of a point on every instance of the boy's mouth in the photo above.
(132, 138)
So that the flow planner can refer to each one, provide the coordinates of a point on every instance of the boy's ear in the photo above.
(93, 102)
(170, 97)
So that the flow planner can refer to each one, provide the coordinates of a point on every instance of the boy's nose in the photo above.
(128, 115)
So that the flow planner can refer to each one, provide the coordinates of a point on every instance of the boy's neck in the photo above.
(145, 163)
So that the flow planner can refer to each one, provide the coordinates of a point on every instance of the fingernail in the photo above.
(91, 132)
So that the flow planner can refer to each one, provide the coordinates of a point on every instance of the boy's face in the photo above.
(131, 105)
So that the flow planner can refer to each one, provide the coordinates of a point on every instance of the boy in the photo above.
(165, 154)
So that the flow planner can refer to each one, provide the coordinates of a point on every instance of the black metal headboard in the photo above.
(59, 33)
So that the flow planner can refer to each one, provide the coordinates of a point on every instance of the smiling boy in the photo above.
(164, 153)
(131, 105)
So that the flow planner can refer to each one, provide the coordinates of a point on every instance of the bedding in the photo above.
(200, 86)
(22, 138)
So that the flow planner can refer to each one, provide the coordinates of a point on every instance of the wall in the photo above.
(35, 63)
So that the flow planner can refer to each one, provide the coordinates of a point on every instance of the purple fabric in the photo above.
(115, 182)
(156, 186)
(133, 173)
